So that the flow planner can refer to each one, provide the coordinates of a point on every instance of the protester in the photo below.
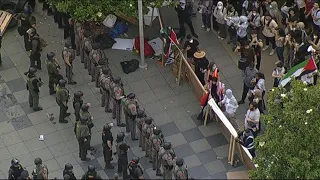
(220, 12)
(206, 7)
(201, 65)
(268, 28)
(252, 119)
(280, 40)
(256, 44)
(278, 73)
(230, 104)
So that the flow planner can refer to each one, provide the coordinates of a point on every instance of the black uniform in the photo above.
(15, 172)
(70, 174)
(135, 170)
(26, 23)
(107, 152)
(77, 103)
(123, 159)
(89, 176)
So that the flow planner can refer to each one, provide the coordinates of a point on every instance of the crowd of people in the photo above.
(252, 27)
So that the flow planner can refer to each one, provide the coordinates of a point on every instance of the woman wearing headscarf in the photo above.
(206, 7)
(201, 65)
(275, 12)
(230, 104)
(220, 12)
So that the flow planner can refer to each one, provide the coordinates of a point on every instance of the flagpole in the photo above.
(142, 64)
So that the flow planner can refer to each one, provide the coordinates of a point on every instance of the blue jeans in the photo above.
(279, 51)
(206, 20)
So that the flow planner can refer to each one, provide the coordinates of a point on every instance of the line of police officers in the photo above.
(160, 153)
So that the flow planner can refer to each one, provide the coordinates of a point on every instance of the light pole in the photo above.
(142, 64)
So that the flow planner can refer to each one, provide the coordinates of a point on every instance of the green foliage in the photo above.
(96, 10)
(290, 147)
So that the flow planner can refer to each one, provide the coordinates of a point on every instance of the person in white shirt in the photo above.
(252, 119)
(230, 103)
(315, 14)
(269, 25)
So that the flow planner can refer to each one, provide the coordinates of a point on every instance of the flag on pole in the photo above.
(305, 67)
(172, 36)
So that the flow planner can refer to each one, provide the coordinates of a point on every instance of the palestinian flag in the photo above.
(306, 67)
(173, 41)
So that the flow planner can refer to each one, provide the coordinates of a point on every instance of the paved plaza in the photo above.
(173, 108)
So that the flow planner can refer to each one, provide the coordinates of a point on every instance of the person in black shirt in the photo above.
(256, 44)
(300, 50)
(190, 46)
(184, 17)
(201, 65)
(107, 141)
(123, 159)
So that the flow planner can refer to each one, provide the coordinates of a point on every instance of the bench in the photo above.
(5, 19)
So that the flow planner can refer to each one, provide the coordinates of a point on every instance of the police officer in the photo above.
(34, 49)
(180, 171)
(53, 72)
(26, 21)
(77, 104)
(141, 115)
(78, 31)
(41, 170)
(147, 131)
(33, 85)
(85, 112)
(68, 170)
(107, 141)
(131, 114)
(122, 149)
(117, 94)
(85, 49)
(166, 156)
(97, 60)
(98, 71)
(105, 82)
(91, 174)
(24, 175)
(62, 98)
(247, 140)
(157, 142)
(135, 169)
(68, 55)
(15, 169)
(82, 134)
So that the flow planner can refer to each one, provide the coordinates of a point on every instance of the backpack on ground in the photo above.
(148, 50)
(119, 29)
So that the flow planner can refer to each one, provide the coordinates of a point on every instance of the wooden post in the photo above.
(240, 152)
(206, 116)
(164, 42)
(230, 149)
(152, 17)
(180, 68)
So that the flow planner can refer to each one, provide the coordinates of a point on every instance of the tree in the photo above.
(95, 10)
(290, 147)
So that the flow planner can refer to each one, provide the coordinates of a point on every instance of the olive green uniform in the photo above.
(180, 172)
(131, 113)
(33, 84)
(167, 161)
(68, 54)
(62, 98)
(117, 94)
(157, 142)
(82, 134)
(105, 83)
(84, 52)
(146, 136)
(53, 73)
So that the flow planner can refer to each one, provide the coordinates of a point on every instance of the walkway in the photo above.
(173, 108)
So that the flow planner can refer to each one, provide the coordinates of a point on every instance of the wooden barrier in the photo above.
(5, 19)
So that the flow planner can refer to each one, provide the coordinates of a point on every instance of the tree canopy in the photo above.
(95, 10)
(290, 147)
